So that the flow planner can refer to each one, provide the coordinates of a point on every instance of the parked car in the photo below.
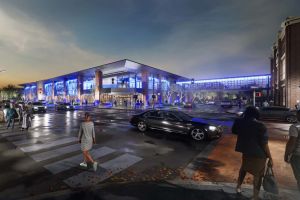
(38, 107)
(64, 107)
(210, 102)
(275, 113)
(189, 105)
(177, 122)
(279, 113)
(226, 104)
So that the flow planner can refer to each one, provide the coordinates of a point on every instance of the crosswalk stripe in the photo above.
(105, 171)
(17, 137)
(37, 147)
(74, 161)
(12, 134)
(32, 141)
(56, 152)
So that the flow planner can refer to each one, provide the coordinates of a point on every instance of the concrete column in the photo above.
(145, 88)
(79, 86)
(53, 94)
(40, 90)
(98, 84)
(65, 97)
(159, 90)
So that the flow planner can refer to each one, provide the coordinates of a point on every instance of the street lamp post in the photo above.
(254, 87)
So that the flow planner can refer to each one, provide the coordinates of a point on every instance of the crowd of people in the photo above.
(19, 113)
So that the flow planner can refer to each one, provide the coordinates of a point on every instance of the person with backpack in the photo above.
(11, 116)
(292, 150)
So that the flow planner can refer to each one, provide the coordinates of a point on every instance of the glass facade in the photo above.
(72, 87)
(48, 89)
(88, 85)
(238, 83)
(59, 89)
(153, 82)
(123, 81)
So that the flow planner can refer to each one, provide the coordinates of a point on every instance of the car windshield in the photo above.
(67, 104)
(183, 116)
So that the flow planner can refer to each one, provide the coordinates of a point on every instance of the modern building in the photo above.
(285, 64)
(121, 82)
(126, 82)
(227, 88)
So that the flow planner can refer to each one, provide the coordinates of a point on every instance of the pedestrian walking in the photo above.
(26, 122)
(292, 150)
(265, 103)
(86, 138)
(252, 142)
(11, 116)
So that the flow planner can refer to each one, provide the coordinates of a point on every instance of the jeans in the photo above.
(295, 163)
(11, 120)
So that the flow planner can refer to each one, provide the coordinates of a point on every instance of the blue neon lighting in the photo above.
(262, 81)
(72, 87)
(48, 89)
(88, 84)
(246, 78)
(59, 88)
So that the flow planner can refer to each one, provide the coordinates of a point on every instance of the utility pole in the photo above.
(254, 87)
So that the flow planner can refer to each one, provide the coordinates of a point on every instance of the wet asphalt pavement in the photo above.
(42, 160)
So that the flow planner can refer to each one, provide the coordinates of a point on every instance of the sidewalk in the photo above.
(220, 164)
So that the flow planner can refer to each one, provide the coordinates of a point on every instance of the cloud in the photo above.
(226, 39)
(26, 45)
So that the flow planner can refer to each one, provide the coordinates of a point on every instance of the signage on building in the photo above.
(258, 94)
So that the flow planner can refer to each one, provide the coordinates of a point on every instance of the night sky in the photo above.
(198, 39)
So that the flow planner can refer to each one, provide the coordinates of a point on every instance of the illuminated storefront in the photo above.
(226, 88)
(123, 82)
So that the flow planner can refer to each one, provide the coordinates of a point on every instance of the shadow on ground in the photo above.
(150, 191)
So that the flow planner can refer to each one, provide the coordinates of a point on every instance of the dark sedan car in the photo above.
(64, 107)
(279, 113)
(177, 122)
(275, 113)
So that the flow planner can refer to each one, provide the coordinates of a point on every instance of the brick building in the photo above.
(285, 64)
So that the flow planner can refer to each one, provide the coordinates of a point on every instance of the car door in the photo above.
(173, 123)
(279, 113)
(265, 113)
(155, 119)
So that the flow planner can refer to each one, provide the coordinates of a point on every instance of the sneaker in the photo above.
(83, 164)
(95, 165)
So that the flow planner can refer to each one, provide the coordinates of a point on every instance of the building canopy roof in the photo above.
(115, 68)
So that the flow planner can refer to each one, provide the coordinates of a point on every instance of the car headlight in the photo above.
(45, 107)
(240, 114)
(212, 128)
(35, 108)
(68, 107)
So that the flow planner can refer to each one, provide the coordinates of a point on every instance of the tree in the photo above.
(10, 91)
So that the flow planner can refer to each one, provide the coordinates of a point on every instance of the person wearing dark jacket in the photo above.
(252, 142)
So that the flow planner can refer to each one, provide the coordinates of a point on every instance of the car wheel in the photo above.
(142, 126)
(198, 134)
(291, 119)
